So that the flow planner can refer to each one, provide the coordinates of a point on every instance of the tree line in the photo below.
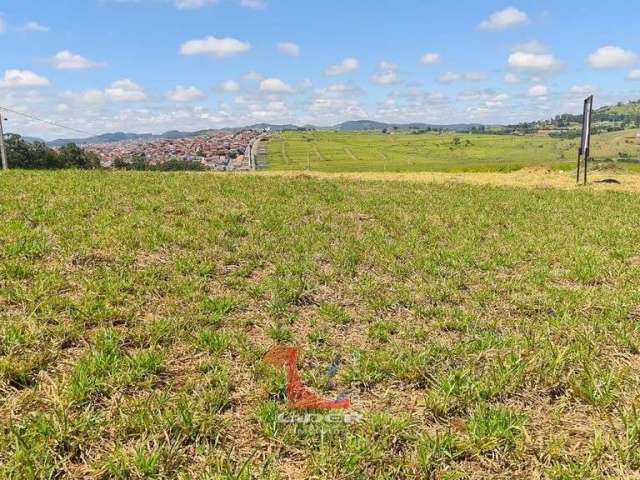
(38, 156)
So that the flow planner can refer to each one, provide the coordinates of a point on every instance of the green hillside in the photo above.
(631, 109)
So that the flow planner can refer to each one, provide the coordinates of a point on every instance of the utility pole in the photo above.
(3, 153)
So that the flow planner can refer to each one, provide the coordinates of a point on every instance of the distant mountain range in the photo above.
(621, 112)
(351, 126)
(365, 125)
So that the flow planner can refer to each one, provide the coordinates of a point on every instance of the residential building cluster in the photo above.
(224, 151)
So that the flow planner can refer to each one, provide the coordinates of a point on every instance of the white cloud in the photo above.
(634, 74)
(66, 60)
(533, 61)
(88, 97)
(62, 108)
(503, 19)
(532, 46)
(511, 78)
(185, 94)
(22, 78)
(387, 74)
(497, 101)
(475, 76)
(35, 27)
(275, 85)
(307, 83)
(538, 91)
(125, 91)
(289, 48)
(338, 90)
(582, 89)
(230, 86)
(193, 4)
(449, 77)
(253, 77)
(430, 58)
(255, 4)
(348, 65)
(217, 47)
(611, 57)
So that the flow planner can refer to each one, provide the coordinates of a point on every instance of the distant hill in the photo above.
(172, 134)
(274, 128)
(366, 125)
(33, 140)
(621, 111)
(609, 118)
(104, 138)
(351, 126)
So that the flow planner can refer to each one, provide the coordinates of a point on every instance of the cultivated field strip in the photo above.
(404, 152)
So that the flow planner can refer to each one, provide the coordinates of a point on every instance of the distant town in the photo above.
(222, 151)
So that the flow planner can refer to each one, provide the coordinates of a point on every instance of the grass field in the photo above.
(371, 152)
(485, 332)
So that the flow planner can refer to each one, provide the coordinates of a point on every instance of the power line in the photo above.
(33, 117)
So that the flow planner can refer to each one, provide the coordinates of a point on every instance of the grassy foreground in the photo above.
(485, 332)
(447, 152)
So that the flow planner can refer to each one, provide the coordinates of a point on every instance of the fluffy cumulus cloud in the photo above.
(125, 91)
(430, 58)
(387, 74)
(22, 78)
(338, 100)
(544, 62)
(503, 19)
(34, 27)
(289, 48)
(230, 86)
(66, 60)
(538, 91)
(275, 85)
(182, 94)
(216, 47)
(192, 4)
(611, 57)
(348, 65)
(634, 74)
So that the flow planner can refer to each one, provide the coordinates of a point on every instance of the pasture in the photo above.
(484, 332)
(444, 152)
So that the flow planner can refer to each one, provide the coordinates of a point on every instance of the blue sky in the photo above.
(155, 65)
